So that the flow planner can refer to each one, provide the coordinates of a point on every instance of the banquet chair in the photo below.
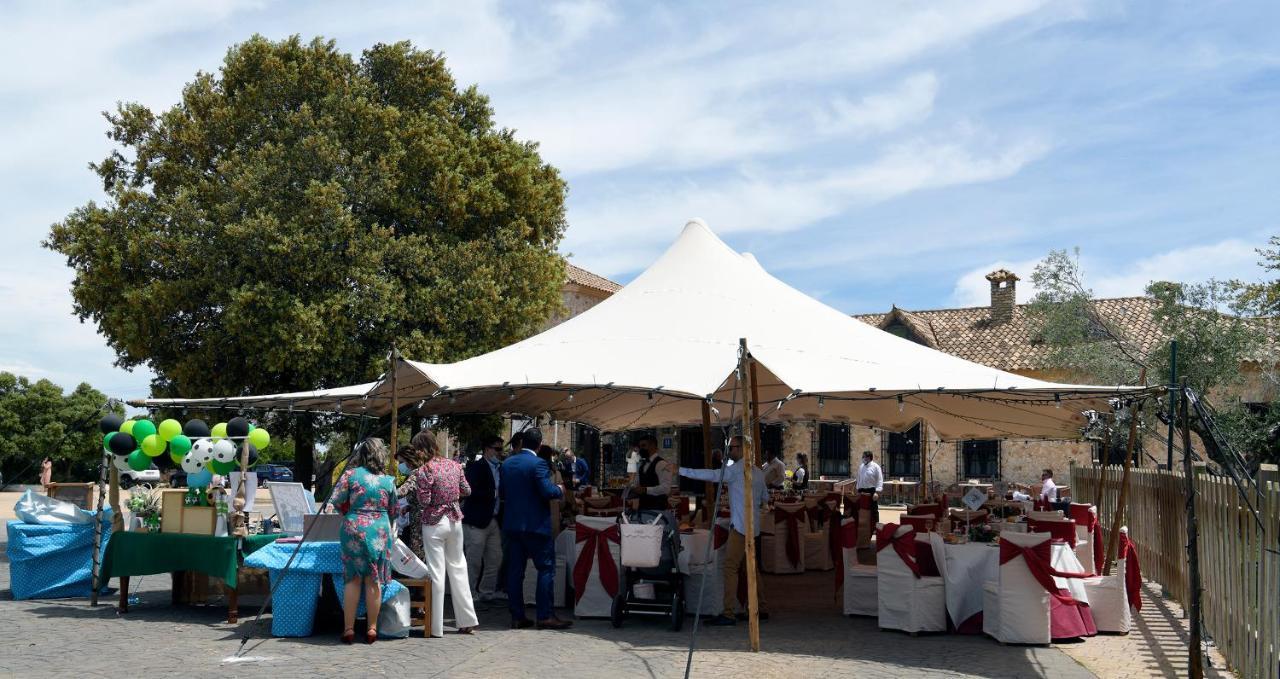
(782, 546)
(929, 558)
(922, 523)
(860, 582)
(906, 599)
(1109, 600)
(1015, 608)
(1045, 516)
(969, 516)
(1063, 530)
(1088, 535)
(934, 509)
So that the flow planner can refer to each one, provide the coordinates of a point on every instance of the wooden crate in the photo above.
(171, 509)
(78, 494)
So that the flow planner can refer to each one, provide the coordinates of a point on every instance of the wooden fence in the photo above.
(1239, 563)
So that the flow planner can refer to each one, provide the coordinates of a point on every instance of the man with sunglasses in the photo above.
(482, 521)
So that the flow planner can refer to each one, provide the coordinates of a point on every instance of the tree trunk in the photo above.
(304, 453)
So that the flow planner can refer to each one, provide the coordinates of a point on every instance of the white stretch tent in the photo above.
(651, 353)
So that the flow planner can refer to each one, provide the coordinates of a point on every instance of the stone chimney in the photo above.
(1004, 285)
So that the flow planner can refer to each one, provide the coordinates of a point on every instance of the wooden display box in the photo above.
(199, 520)
(78, 494)
(171, 507)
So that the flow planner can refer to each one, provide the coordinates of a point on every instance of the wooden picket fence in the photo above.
(1239, 563)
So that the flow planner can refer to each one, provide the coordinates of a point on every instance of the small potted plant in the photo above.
(144, 503)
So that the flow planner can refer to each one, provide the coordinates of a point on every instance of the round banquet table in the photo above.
(969, 565)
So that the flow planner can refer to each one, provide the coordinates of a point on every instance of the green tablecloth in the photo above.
(140, 553)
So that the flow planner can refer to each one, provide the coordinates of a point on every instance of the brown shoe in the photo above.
(554, 623)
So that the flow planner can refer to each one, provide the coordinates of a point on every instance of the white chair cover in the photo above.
(1046, 516)
(817, 551)
(706, 599)
(905, 602)
(1016, 607)
(773, 547)
(594, 601)
(860, 583)
(1109, 600)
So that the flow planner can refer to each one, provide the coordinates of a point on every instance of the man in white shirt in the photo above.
(1049, 490)
(870, 481)
(735, 552)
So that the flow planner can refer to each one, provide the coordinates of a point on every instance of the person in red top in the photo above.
(441, 483)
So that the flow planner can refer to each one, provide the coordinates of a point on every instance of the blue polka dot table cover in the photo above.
(293, 603)
(53, 560)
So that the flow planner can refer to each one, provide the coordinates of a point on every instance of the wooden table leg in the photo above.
(124, 594)
(233, 602)
(426, 613)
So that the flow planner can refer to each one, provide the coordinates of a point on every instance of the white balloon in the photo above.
(192, 464)
(121, 462)
(224, 451)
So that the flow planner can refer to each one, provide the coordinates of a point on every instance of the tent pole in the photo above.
(748, 490)
(708, 497)
(97, 528)
(1195, 657)
(1117, 518)
(924, 465)
(113, 497)
(395, 403)
(757, 429)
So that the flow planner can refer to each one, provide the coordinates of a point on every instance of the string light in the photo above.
(511, 394)
(822, 401)
(901, 404)
(452, 398)
(571, 396)
(1057, 401)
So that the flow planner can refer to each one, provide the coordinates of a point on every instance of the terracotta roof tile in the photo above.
(581, 276)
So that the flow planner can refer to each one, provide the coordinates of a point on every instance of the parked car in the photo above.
(149, 475)
(273, 472)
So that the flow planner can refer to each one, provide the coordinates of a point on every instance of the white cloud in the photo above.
(1230, 258)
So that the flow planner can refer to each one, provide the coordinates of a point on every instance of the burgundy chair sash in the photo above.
(922, 524)
(1038, 563)
(792, 520)
(1132, 572)
(1083, 517)
(926, 559)
(597, 543)
(904, 545)
(930, 508)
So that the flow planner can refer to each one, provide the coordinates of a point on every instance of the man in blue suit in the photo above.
(526, 492)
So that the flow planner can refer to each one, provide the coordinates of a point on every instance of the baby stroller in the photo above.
(656, 589)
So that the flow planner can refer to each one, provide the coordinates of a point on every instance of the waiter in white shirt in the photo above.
(775, 472)
(735, 551)
(870, 481)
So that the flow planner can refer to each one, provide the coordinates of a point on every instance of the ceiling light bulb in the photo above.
(901, 404)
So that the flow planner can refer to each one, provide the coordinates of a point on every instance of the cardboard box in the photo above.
(199, 520)
(171, 506)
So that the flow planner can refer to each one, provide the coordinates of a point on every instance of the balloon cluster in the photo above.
(201, 451)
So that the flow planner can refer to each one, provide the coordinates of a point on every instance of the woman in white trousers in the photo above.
(441, 484)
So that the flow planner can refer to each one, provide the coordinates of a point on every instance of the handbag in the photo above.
(406, 563)
(641, 543)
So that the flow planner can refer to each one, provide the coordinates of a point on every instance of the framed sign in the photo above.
(292, 502)
(974, 499)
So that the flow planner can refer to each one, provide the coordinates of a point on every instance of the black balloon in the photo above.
(110, 423)
(123, 444)
(237, 427)
(253, 451)
(196, 429)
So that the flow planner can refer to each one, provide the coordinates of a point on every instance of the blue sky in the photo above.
(868, 153)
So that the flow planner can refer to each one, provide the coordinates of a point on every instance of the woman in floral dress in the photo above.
(440, 483)
(367, 498)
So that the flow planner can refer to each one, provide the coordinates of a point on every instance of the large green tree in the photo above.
(1213, 345)
(37, 420)
(300, 211)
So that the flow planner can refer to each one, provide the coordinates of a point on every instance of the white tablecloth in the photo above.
(968, 566)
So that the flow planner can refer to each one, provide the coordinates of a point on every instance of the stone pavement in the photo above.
(67, 637)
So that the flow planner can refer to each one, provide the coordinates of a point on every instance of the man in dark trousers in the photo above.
(655, 477)
(526, 492)
(481, 520)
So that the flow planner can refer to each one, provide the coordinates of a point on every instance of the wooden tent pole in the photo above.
(395, 403)
(709, 493)
(757, 429)
(97, 527)
(748, 491)
(1117, 519)
(1195, 652)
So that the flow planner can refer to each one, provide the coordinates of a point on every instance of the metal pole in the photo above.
(708, 509)
(1173, 397)
(395, 404)
(1195, 659)
(748, 491)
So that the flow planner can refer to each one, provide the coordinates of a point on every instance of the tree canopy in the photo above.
(300, 211)
(37, 419)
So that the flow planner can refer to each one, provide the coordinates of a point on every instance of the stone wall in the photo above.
(575, 300)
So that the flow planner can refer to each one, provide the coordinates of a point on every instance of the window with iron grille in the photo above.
(833, 449)
(901, 450)
(978, 459)
(771, 440)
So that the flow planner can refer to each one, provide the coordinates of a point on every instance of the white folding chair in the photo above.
(906, 602)
(1015, 609)
(1109, 599)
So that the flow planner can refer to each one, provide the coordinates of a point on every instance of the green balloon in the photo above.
(219, 430)
(179, 446)
(260, 438)
(142, 429)
(177, 459)
(106, 440)
(223, 468)
(152, 445)
(138, 461)
(169, 429)
(127, 427)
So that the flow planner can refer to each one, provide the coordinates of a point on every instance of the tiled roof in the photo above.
(970, 334)
(586, 279)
